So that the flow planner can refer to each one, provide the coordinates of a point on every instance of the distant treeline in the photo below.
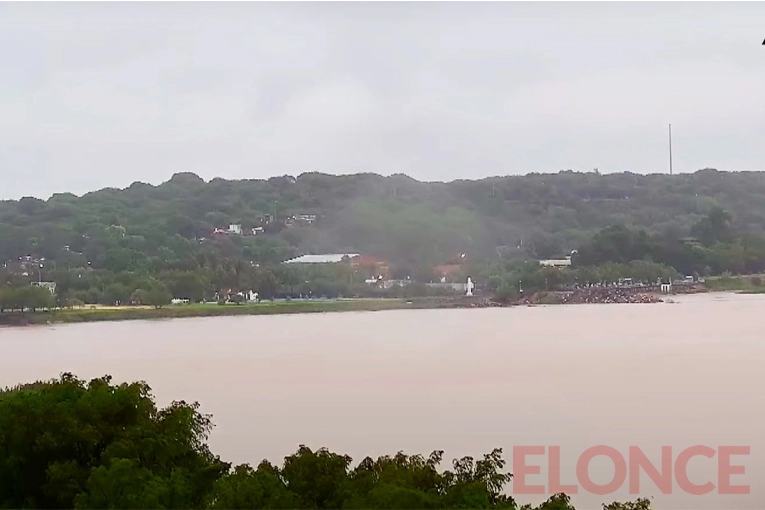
(415, 225)
(68, 443)
(75, 287)
(612, 254)
(716, 247)
(107, 245)
(28, 297)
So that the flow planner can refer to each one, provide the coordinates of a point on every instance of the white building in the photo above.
(235, 229)
(556, 262)
(331, 258)
(388, 284)
(49, 286)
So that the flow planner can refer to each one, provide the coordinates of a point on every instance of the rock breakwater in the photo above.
(591, 295)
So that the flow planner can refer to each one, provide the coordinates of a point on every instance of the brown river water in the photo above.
(676, 374)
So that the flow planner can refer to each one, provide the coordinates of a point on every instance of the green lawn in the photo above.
(213, 310)
(750, 284)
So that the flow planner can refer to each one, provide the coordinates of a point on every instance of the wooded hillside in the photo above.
(409, 222)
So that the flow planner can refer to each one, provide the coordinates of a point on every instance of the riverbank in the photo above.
(98, 314)
(123, 313)
(748, 284)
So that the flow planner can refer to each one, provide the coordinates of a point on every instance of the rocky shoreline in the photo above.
(579, 296)
(594, 296)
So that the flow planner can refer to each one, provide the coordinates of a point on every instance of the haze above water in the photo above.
(464, 381)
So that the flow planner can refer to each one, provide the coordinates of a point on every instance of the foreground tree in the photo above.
(638, 504)
(70, 444)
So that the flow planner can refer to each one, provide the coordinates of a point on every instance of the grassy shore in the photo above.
(746, 284)
(97, 314)
(750, 284)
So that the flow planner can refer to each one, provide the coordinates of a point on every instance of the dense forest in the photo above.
(68, 443)
(393, 217)
(173, 238)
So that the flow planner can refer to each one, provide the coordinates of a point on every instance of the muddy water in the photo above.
(464, 381)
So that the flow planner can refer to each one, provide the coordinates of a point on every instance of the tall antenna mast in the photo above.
(670, 149)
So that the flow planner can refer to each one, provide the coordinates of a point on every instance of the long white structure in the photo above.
(321, 259)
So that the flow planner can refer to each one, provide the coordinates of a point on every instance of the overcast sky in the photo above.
(100, 94)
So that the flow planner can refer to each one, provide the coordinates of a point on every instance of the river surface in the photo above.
(464, 381)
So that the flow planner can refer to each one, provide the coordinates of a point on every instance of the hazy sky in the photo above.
(104, 94)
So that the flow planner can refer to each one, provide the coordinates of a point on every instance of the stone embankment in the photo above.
(591, 295)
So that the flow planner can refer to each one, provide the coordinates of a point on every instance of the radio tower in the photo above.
(670, 149)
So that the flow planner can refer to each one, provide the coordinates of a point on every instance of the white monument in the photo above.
(469, 286)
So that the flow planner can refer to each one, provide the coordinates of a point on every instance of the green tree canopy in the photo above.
(72, 444)
(68, 443)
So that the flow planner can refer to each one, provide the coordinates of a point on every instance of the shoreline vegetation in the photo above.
(745, 284)
(612, 295)
(118, 273)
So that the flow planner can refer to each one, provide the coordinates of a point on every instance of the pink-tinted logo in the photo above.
(672, 467)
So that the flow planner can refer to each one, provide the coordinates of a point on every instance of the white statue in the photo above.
(469, 287)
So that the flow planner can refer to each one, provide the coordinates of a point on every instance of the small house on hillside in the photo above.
(305, 219)
(300, 220)
(374, 265)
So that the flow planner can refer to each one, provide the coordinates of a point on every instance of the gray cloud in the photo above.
(104, 94)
